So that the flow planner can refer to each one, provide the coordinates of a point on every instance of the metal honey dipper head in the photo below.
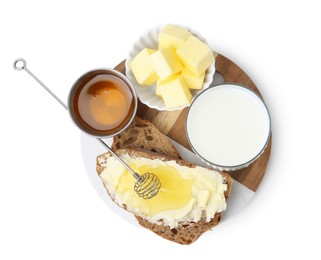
(147, 186)
(99, 82)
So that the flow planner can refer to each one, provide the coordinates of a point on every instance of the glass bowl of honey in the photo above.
(102, 102)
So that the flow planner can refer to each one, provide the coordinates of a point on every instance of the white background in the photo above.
(48, 208)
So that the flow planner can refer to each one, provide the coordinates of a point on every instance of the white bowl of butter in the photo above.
(148, 94)
(228, 126)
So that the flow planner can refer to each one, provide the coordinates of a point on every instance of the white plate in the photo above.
(147, 94)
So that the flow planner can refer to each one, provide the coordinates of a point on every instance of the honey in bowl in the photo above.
(102, 103)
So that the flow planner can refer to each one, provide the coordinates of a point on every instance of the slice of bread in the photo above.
(185, 233)
(144, 135)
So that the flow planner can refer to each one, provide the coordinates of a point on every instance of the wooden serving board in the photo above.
(172, 123)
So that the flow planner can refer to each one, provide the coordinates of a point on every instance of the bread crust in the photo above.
(184, 233)
(144, 135)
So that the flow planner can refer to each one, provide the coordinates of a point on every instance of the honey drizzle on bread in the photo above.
(185, 233)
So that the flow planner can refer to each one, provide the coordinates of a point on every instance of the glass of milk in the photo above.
(228, 126)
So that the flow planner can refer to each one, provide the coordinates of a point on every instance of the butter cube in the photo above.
(173, 36)
(195, 55)
(160, 82)
(142, 67)
(174, 92)
(165, 62)
(193, 81)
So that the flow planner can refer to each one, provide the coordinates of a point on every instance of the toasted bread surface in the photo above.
(144, 135)
(185, 233)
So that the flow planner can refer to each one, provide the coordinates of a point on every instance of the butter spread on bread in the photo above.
(190, 194)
